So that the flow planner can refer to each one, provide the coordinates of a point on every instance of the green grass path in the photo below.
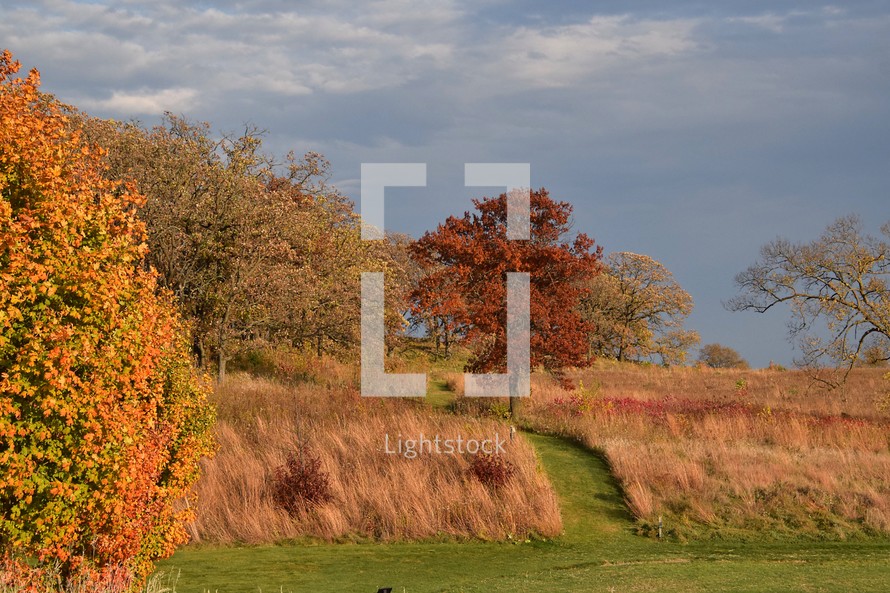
(597, 553)
(438, 395)
(593, 511)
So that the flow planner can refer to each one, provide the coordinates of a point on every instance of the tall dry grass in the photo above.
(733, 450)
(454, 382)
(787, 389)
(375, 494)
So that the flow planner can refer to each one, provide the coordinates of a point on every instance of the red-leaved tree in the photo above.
(467, 259)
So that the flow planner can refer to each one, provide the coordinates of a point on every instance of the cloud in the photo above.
(778, 22)
(770, 22)
(146, 102)
(282, 50)
(569, 55)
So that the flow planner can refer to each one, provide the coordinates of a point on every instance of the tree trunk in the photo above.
(221, 366)
(198, 349)
(318, 342)
(221, 358)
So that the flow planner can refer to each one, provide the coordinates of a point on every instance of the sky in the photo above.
(690, 131)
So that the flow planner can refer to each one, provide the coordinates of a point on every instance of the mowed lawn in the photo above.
(598, 552)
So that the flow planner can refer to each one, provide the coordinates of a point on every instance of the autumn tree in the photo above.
(718, 356)
(392, 256)
(466, 261)
(436, 297)
(253, 249)
(102, 423)
(637, 310)
(836, 287)
(312, 286)
(205, 213)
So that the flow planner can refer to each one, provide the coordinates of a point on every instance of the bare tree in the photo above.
(836, 287)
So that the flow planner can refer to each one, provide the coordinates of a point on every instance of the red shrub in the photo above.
(300, 482)
(492, 470)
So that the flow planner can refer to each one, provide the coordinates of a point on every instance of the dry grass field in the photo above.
(747, 468)
(731, 453)
(374, 494)
(715, 453)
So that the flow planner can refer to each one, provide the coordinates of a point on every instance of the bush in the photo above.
(492, 470)
(102, 423)
(500, 411)
(301, 482)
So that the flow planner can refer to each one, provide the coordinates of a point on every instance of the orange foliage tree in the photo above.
(467, 260)
(102, 423)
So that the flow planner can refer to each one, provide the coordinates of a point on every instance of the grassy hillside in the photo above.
(598, 552)
(732, 454)
(691, 444)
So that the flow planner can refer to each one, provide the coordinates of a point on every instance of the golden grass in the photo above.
(454, 382)
(732, 449)
(791, 390)
(375, 494)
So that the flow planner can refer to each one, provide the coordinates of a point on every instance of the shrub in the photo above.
(102, 423)
(491, 469)
(455, 382)
(300, 482)
(500, 410)
(584, 400)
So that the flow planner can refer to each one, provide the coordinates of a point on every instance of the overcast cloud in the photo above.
(693, 133)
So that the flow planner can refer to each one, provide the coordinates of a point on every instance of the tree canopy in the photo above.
(252, 249)
(466, 261)
(718, 356)
(637, 310)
